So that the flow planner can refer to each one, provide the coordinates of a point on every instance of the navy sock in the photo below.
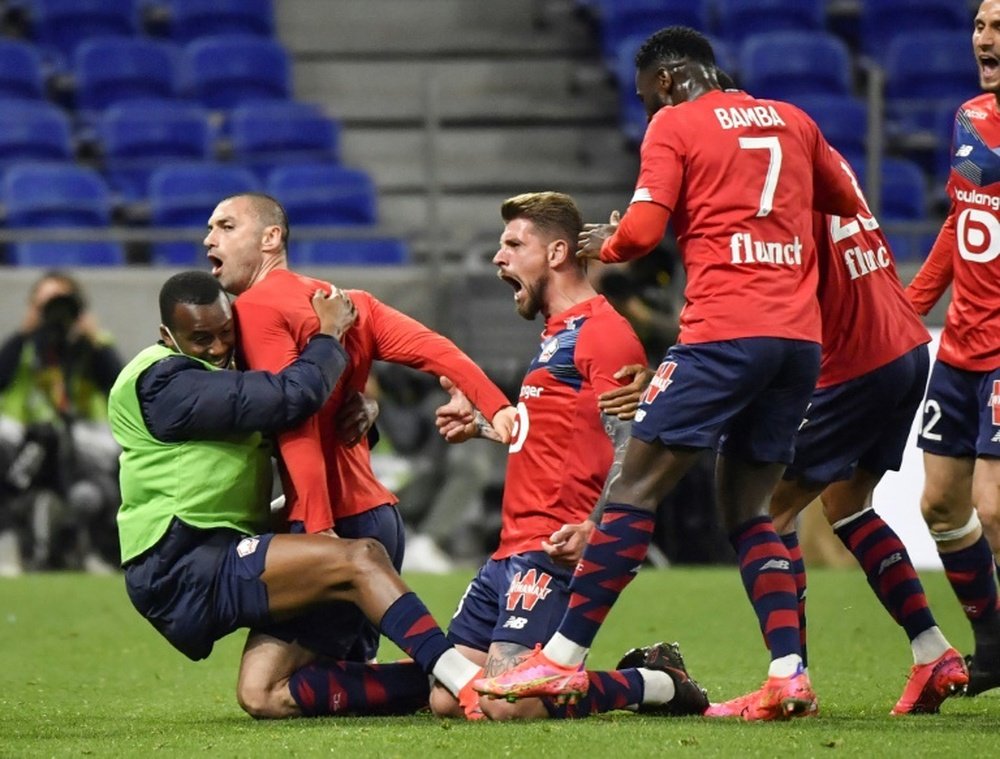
(614, 552)
(346, 687)
(766, 569)
(608, 691)
(791, 541)
(972, 575)
(409, 625)
(890, 572)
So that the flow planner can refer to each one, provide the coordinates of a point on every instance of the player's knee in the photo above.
(500, 710)
(443, 703)
(368, 556)
(258, 701)
(941, 513)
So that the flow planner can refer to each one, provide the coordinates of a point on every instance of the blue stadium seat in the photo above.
(785, 65)
(376, 251)
(883, 20)
(63, 24)
(315, 195)
(184, 195)
(190, 19)
(631, 113)
(20, 71)
(109, 70)
(268, 134)
(46, 196)
(923, 68)
(844, 122)
(620, 19)
(739, 19)
(139, 137)
(33, 130)
(224, 71)
(904, 198)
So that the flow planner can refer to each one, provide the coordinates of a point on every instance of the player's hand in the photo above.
(503, 423)
(623, 401)
(593, 236)
(336, 312)
(455, 420)
(565, 545)
(354, 418)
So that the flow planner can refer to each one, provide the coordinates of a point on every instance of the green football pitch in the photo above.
(81, 674)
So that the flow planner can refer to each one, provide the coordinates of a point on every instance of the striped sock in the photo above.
(614, 553)
(409, 625)
(791, 541)
(766, 569)
(972, 575)
(608, 691)
(346, 687)
(890, 572)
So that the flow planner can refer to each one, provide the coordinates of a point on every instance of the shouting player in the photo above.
(740, 178)
(960, 429)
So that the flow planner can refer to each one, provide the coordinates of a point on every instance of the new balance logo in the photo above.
(515, 623)
(963, 151)
(782, 564)
(995, 438)
(888, 561)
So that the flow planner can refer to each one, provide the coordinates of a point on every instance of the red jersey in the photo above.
(740, 177)
(560, 454)
(867, 320)
(966, 253)
(324, 480)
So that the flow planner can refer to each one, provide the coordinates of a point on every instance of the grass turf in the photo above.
(82, 674)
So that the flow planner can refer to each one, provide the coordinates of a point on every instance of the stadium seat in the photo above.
(904, 198)
(33, 130)
(63, 24)
(375, 251)
(21, 74)
(882, 21)
(224, 71)
(739, 19)
(183, 196)
(140, 136)
(267, 134)
(844, 122)
(620, 19)
(190, 19)
(109, 70)
(785, 65)
(921, 69)
(46, 196)
(315, 195)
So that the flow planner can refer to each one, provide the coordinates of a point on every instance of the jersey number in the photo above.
(773, 147)
(932, 414)
(521, 426)
(841, 230)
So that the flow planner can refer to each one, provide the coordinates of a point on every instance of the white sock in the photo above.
(785, 666)
(658, 688)
(454, 671)
(928, 646)
(562, 650)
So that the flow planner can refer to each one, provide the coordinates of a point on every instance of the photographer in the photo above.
(58, 461)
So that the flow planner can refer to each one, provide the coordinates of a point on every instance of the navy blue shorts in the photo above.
(864, 422)
(339, 629)
(745, 397)
(520, 599)
(196, 586)
(961, 413)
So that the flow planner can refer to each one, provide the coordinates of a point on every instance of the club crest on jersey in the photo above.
(549, 348)
(660, 382)
(995, 403)
(529, 590)
(571, 322)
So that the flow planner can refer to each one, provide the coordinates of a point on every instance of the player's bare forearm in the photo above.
(619, 431)
(484, 429)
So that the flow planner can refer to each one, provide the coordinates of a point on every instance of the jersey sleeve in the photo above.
(833, 189)
(936, 272)
(661, 163)
(268, 342)
(641, 230)
(605, 347)
(403, 340)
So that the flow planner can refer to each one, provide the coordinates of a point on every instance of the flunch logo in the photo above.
(529, 590)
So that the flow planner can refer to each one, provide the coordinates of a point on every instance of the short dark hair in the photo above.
(673, 43)
(268, 210)
(552, 212)
(196, 288)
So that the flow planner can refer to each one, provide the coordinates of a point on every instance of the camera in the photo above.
(58, 315)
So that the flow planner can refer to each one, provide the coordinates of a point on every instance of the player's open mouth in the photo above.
(989, 65)
(216, 263)
(515, 283)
